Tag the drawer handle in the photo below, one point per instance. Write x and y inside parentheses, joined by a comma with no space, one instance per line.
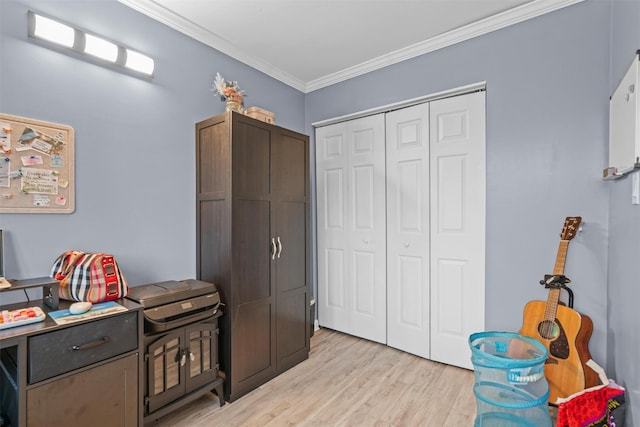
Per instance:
(89,345)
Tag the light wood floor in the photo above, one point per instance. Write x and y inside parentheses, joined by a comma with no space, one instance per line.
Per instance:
(346,381)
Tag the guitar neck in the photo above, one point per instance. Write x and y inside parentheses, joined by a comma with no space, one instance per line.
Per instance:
(561,258)
(554,293)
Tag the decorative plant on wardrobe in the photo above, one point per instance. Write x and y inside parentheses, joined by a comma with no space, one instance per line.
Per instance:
(229,92)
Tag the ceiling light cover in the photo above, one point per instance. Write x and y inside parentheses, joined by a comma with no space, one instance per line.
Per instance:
(89,46)
(139,62)
(100,48)
(53,31)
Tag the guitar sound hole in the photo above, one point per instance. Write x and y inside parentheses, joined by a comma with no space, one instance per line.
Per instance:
(548,330)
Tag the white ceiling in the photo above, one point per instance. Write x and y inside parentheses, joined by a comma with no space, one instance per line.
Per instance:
(310,44)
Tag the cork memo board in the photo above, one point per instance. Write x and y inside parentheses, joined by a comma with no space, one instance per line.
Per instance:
(36,166)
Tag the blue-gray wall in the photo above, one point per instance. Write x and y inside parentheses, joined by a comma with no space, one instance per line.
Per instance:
(548,84)
(547,114)
(134,139)
(623,338)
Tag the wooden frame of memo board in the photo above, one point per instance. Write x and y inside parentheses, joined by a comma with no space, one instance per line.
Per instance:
(36,166)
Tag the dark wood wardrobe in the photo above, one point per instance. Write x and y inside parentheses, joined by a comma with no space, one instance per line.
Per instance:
(253,233)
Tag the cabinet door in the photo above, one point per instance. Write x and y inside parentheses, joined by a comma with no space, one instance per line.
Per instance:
(106,395)
(202,354)
(166,380)
(252,295)
(290,178)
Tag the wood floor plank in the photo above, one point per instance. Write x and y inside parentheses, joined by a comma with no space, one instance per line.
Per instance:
(346,381)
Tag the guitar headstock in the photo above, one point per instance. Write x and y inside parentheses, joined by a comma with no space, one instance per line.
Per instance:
(570,228)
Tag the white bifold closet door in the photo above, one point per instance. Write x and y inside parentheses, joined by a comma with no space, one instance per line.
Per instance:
(457,232)
(351,227)
(408,310)
(401,227)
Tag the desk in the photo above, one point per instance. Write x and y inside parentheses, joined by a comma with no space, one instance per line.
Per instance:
(74,388)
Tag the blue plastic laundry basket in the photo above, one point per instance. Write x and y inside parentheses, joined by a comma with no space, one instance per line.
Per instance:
(510,387)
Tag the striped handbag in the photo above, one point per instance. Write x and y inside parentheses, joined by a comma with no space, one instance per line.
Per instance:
(92,277)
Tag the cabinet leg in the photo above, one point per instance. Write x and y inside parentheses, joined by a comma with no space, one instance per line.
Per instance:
(219,391)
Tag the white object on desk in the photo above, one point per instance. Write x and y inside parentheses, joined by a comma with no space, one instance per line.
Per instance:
(80,307)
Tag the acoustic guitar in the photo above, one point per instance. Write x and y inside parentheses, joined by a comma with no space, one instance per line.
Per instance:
(563,331)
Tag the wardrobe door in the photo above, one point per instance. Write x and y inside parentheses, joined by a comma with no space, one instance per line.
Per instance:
(351,227)
(457,225)
(251,311)
(408,310)
(290,196)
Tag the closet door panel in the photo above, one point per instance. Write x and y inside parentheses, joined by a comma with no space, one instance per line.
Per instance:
(334,295)
(333,242)
(363,199)
(333,202)
(407,155)
(351,227)
(457,225)
(363,280)
(367,228)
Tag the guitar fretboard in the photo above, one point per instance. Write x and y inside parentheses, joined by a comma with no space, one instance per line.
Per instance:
(554,294)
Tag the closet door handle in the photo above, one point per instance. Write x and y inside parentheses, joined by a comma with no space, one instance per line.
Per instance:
(273,248)
(279,247)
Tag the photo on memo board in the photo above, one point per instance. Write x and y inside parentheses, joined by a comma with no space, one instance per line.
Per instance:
(36,166)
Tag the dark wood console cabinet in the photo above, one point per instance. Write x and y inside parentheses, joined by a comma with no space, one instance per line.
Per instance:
(181,365)
(45,382)
(252,188)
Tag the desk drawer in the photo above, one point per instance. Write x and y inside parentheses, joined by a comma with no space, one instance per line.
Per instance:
(74,347)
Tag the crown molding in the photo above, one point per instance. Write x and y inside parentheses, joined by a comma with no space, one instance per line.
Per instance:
(476,29)
(510,17)
(161,14)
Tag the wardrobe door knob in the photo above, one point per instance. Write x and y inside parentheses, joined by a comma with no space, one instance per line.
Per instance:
(279,247)
(366,241)
(273,248)
(406,244)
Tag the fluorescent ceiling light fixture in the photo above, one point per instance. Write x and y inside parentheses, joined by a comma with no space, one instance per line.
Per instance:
(91,47)
(53,31)
(139,62)
(100,48)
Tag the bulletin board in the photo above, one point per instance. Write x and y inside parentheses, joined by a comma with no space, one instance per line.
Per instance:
(36,166)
